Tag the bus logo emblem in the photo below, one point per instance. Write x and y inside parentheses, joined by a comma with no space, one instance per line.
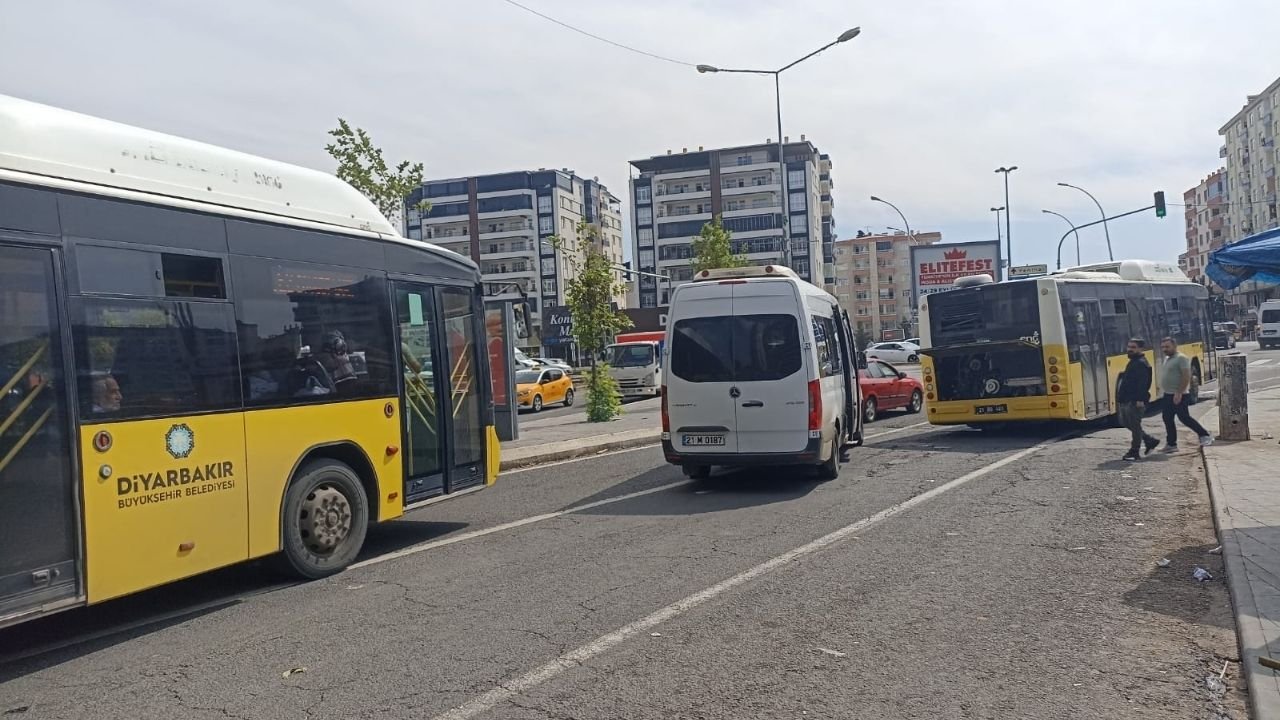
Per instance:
(180,441)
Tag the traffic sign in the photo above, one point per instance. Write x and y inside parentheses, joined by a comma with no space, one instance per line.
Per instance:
(1026,271)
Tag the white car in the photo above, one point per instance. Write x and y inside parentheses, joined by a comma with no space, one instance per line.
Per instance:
(760,371)
(894,352)
(553,362)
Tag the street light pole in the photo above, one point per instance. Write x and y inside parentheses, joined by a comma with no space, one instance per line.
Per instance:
(782,159)
(895,208)
(1073,229)
(1105,229)
(1008,219)
(999,235)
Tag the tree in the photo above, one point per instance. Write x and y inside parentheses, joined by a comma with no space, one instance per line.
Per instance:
(713,248)
(361,165)
(862,338)
(589,297)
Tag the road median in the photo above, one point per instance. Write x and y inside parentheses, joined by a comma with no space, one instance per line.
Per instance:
(559,450)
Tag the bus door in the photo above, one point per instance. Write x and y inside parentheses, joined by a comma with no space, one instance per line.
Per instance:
(39,547)
(1092,356)
(444,430)
(849,361)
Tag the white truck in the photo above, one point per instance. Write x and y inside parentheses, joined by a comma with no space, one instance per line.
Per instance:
(635,362)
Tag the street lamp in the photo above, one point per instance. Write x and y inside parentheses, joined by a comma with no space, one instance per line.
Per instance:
(1105,229)
(1008,218)
(777,94)
(997,211)
(1073,229)
(895,208)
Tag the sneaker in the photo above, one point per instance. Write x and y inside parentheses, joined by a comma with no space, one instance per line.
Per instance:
(1150,444)
(1206,440)
(1131,457)
(1170,449)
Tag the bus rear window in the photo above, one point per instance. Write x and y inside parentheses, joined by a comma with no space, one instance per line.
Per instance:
(989,313)
(744,348)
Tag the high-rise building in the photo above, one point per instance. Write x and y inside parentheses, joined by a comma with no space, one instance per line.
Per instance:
(1208,223)
(871,277)
(675,194)
(1252,157)
(504,223)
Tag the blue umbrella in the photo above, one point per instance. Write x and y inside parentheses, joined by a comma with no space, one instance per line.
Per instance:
(1256,258)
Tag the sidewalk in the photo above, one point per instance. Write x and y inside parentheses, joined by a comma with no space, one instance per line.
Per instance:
(1245,488)
(544,440)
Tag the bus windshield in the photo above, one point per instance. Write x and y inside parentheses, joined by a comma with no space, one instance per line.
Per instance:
(989,313)
(622,356)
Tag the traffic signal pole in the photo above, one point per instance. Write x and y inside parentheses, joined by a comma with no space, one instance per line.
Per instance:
(1096,222)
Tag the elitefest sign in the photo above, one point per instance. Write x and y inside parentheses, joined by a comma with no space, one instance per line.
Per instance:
(935,268)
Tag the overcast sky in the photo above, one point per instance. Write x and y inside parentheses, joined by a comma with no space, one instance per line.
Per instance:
(1122,97)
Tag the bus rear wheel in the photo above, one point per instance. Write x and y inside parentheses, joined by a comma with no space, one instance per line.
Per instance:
(325,517)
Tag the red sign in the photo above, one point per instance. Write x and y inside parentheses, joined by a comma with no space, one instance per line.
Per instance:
(954,265)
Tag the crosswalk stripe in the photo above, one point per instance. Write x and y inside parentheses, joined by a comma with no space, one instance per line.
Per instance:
(1263,361)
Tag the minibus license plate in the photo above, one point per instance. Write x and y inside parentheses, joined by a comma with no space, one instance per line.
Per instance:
(992,409)
(702,440)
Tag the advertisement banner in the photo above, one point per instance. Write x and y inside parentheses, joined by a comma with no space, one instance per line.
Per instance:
(557,326)
(934,268)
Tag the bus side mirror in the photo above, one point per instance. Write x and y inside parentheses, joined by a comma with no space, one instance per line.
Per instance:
(862,360)
(520,313)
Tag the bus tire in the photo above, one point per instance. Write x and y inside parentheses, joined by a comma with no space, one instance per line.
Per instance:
(830,468)
(324,519)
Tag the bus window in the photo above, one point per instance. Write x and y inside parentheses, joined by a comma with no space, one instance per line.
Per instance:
(310,332)
(463,377)
(141,358)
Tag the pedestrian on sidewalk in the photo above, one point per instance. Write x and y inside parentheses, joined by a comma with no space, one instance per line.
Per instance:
(1133,395)
(1175,379)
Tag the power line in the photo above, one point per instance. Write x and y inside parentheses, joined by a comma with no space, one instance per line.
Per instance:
(593,36)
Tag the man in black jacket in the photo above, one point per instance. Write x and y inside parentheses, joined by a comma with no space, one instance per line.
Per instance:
(1132,397)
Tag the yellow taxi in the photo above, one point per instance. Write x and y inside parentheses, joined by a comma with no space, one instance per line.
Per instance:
(542,386)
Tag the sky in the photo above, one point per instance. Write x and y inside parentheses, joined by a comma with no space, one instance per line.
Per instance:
(1121,97)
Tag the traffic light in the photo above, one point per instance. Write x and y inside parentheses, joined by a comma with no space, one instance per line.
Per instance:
(1160,209)
(626,274)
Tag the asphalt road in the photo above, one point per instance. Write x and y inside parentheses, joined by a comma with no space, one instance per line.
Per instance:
(946,573)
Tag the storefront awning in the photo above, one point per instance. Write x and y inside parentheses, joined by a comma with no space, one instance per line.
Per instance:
(1256,258)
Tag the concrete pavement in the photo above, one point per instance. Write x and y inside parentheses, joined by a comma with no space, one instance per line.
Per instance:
(946,573)
(563,437)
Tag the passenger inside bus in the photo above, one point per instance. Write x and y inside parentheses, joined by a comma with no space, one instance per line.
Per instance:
(106,394)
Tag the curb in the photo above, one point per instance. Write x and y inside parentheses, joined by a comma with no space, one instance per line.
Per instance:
(571,449)
(1250,639)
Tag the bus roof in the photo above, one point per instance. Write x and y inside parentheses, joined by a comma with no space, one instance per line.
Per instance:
(51,142)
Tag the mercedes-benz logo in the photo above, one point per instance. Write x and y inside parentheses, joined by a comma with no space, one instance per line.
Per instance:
(734,392)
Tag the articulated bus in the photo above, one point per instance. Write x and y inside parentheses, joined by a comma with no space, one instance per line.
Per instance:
(208,357)
(1052,348)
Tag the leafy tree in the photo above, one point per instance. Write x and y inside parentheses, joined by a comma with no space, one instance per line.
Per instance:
(589,297)
(361,165)
(713,248)
(862,338)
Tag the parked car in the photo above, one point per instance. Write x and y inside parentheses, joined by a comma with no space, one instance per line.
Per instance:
(913,341)
(1223,337)
(536,388)
(522,361)
(552,362)
(894,352)
(884,387)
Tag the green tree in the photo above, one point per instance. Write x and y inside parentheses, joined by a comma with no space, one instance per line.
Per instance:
(361,165)
(862,338)
(713,249)
(589,297)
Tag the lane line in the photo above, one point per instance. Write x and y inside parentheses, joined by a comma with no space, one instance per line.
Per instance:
(463,537)
(514,686)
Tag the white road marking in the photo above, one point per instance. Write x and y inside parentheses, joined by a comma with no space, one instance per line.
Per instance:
(514,686)
(463,537)
(1263,361)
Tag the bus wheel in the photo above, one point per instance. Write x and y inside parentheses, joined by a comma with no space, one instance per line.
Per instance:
(326,515)
(830,468)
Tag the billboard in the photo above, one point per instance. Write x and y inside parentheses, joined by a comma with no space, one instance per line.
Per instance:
(935,267)
(557,326)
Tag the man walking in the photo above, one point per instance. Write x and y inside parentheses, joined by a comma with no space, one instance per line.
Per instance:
(1175,379)
(1133,395)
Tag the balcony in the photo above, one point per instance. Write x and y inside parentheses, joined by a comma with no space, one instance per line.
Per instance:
(499,272)
(683,192)
(748,187)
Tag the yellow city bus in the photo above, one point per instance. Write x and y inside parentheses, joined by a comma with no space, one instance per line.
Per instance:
(208,357)
(1052,348)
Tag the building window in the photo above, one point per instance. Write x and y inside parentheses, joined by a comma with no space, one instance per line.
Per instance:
(801,266)
(546,225)
(797,200)
(744,159)
(544,204)
(548,266)
(859,249)
(642,193)
(795,179)
(549,286)
(645,236)
(906,293)
(644,216)
(800,224)
(646,259)
(884,246)
(888,308)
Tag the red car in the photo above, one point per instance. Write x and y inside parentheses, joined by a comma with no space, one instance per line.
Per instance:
(884,387)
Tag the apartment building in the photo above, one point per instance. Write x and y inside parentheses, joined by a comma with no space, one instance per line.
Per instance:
(503,222)
(675,194)
(871,277)
(1252,155)
(1207,215)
